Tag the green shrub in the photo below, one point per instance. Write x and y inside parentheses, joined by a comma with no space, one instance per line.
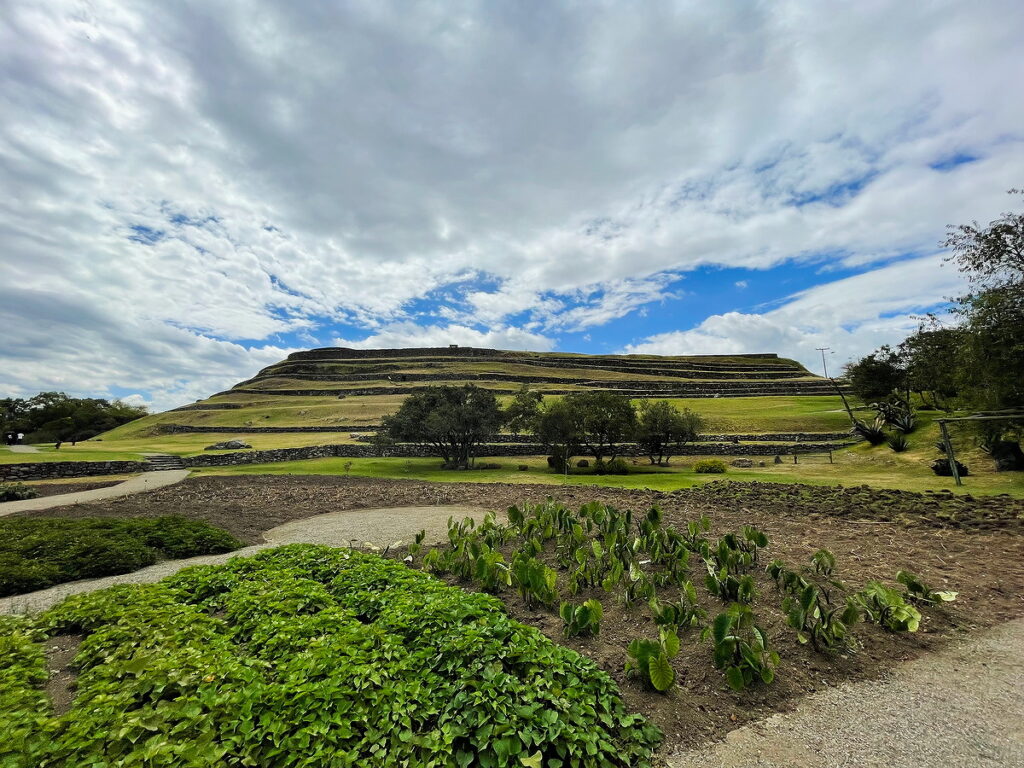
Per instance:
(37,552)
(709,467)
(16,492)
(310,656)
(486,465)
(616,466)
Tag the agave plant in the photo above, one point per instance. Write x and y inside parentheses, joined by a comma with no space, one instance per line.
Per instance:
(898,442)
(874,432)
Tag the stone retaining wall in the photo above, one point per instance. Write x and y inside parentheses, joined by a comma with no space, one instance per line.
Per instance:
(50,470)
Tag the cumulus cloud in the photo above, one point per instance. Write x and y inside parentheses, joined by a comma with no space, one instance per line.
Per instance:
(409,334)
(852,316)
(208,177)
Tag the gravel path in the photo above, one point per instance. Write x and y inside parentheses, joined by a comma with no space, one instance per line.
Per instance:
(960,707)
(147,481)
(22,449)
(379,527)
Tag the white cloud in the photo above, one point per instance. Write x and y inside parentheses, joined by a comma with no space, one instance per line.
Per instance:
(852,316)
(409,334)
(213,175)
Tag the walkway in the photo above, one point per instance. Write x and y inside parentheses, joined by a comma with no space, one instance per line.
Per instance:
(22,449)
(959,707)
(147,481)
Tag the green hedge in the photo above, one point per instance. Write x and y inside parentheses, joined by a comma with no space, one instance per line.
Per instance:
(38,552)
(310,656)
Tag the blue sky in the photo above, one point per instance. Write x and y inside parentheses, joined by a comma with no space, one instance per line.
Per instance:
(196,189)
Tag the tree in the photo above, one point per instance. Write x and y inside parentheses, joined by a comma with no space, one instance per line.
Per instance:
(522,413)
(55,416)
(451,420)
(928,356)
(558,429)
(991,256)
(877,375)
(601,420)
(662,429)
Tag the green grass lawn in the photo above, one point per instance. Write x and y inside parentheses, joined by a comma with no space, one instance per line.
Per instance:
(805,413)
(80,452)
(852,467)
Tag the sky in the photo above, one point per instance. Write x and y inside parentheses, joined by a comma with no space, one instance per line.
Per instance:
(195,189)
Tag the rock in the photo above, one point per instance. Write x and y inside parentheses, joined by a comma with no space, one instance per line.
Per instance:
(778,459)
(227,445)
(743,463)
(1008,456)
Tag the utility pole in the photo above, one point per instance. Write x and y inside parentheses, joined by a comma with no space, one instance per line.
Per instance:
(823,350)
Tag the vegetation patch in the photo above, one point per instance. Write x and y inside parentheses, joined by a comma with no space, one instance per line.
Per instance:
(309,656)
(38,552)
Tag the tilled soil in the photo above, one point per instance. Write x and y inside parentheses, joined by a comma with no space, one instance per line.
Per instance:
(983,560)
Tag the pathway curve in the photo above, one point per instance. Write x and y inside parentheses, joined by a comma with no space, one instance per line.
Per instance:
(147,481)
(959,707)
(379,527)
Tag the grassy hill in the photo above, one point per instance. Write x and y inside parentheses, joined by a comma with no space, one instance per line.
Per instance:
(346,390)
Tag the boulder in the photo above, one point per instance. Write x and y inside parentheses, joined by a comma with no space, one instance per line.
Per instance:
(743,463)
(227,445)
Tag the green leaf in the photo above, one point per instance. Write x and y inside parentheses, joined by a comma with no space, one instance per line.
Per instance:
(734,676)
(662,674)
(533,761)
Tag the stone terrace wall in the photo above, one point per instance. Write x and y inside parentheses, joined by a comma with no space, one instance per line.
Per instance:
(49,470)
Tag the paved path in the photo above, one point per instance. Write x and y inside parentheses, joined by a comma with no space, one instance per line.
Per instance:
(147,481)
(23,449)
(379,527)
(959,707)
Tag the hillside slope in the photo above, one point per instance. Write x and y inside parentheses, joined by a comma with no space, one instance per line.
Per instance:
(342,390)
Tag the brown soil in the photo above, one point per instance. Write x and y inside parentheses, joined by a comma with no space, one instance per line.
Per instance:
(60,653)
(55,489)
(976,550)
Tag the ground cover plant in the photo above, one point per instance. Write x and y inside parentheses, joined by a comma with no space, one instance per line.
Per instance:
(308,656)
(38,552)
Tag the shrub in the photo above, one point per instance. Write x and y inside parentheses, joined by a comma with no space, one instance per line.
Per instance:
(582,463)
(38,552)
(710,467)
(16,492)
(523,467)
(898,442)
(941,468)
(614,467)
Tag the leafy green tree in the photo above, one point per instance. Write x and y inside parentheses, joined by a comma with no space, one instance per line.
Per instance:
(55,416)
(991,256)
(557,428)
(601,420)
(927,356)
(522,413)
(662,429)
(451,420)
(876,376)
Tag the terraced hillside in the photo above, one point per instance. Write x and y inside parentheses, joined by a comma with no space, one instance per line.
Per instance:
(345,391)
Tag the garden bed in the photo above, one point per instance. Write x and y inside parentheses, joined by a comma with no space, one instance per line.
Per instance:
(303,656)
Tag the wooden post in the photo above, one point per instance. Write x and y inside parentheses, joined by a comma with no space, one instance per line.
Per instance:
(830,457)
(949,452)
(794,458)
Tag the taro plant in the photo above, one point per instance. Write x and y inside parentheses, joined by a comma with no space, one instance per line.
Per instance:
(683,613)
(887,608)
(919,592)
(490,570)
(638,585)
(651,660)
(534,580)
(729,587)
(741,648)
(582,619)
(816,622)
(416,547)
(824,562)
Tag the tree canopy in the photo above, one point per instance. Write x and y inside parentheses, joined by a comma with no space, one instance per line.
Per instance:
(451,420)
(662,429)
(51,416)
